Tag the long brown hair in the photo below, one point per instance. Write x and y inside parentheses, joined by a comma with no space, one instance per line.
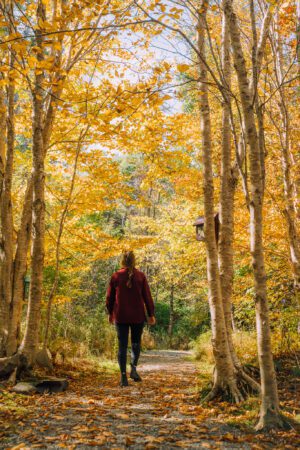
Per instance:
(128,261)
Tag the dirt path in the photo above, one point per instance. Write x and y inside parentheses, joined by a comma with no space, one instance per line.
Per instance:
(161,412)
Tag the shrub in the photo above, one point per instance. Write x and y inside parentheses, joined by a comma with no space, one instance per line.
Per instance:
(244,343)
(202,348)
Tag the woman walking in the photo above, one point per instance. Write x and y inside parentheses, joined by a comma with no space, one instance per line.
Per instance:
(127,296)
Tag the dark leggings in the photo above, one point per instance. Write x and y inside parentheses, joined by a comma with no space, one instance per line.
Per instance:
(136,336)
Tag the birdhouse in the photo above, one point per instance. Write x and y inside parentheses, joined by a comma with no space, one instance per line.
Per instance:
(199,224)
(26,285)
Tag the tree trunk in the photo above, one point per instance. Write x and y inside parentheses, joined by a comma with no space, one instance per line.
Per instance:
(171,318)
(3,312)
(16,269)
(30,341)
(224,376)
(257,56)
(19,267)
(290,190)
(229,179)
(2,137)
(269,412)
(24,234)
(227,189)
(7,227)
(298,33)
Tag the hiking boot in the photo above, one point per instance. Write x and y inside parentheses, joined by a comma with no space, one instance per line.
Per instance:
(133,374)
(124,381)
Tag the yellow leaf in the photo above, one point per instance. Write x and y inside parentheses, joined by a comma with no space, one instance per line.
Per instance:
(122,416)
(31,61)
(183,67)
(228,437)
(20,447)
(57,45)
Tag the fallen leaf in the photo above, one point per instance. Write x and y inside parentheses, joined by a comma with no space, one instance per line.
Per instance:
(228,437)
(129,441)
(20,447)
(122,416)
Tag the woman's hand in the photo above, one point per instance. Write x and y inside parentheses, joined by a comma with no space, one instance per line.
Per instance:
(151,320)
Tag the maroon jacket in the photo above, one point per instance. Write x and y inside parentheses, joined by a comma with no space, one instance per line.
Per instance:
(126,305)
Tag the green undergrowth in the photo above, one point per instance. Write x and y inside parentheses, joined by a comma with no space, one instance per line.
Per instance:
(246,348)
(10,405)
(12,410)
(79,367)
(244,344)
(244,415)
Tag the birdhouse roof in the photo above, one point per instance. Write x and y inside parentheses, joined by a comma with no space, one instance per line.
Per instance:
(200,220)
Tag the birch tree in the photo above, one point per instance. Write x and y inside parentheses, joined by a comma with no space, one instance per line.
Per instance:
(30,342)
(288,164)
(224,376)
(269,414)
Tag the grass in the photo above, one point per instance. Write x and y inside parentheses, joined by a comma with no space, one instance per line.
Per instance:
(9,404)
(12,411)
(91,364)
(245,415)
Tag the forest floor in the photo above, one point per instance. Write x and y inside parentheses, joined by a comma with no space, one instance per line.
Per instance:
(163,411)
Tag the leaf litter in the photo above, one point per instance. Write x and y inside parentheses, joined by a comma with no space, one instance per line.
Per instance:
(163,411)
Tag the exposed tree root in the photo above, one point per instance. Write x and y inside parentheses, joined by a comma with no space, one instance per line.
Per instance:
(15,363)
(247,384)
(13,377)
(18,365)
(44,359)
(273,420)
(228,392)
(250,370)
(235,392)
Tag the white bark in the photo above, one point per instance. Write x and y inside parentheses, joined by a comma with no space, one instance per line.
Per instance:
(290,188)
(229,179)
(19,271)
(224,377)
(3,306)
(29,346)
(228,183)
(269,413)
